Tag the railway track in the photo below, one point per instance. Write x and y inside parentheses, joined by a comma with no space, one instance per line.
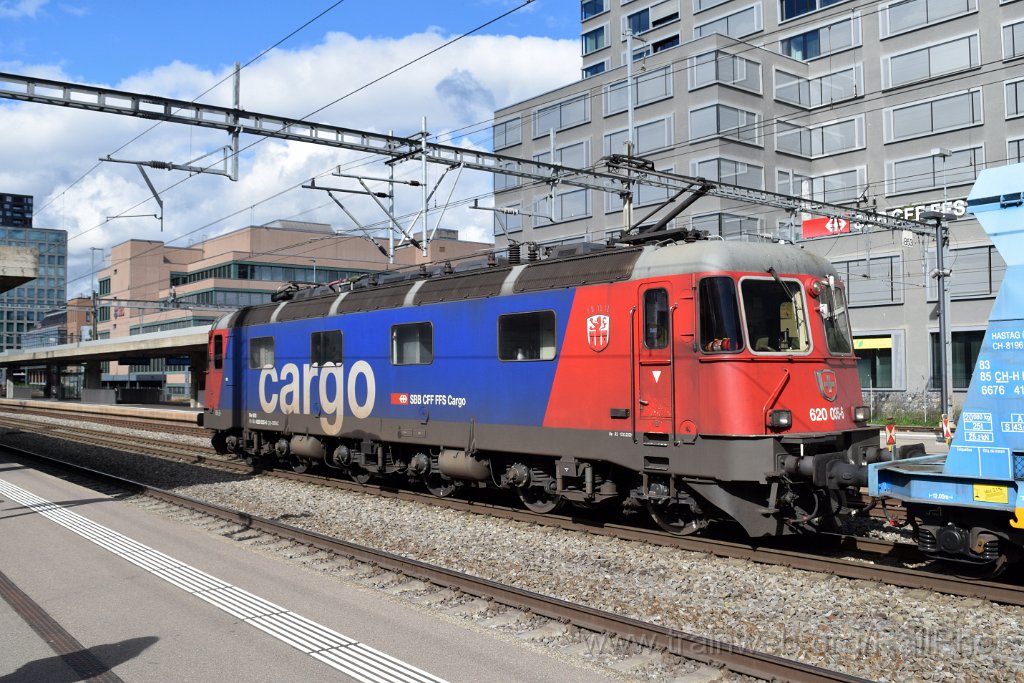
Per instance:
(889,561)
(716,653)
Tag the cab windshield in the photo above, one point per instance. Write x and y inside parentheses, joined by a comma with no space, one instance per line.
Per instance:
(837,322)
(775,315)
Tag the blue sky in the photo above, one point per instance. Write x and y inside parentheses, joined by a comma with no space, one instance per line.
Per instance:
(184,48)
(103,41)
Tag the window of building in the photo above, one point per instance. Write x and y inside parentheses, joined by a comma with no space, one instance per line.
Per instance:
(907,15)
(326,347)
(412,344)
(591,8)
(789,9)
(720,328)
(721,67)
(834,137)
(931,62)
(927,172)
(1013,40)
(594,69)
(643,195)
(976,272)
(576,155)
(568,206)
(526,336)
(503,181)
(595,40)
(508,133)
(724,121)
(727,225)
(792,183)
(815,92)
(729,171)
(736,25)
(637,22)
(1014,151)
(261,352)
(560,116)
(701,5)
(842,186)
(875,361)
(875,281)
(648,87)
(649,136)
(104,286)
(965,348)
(1014,98)
(823,41)
(508,222)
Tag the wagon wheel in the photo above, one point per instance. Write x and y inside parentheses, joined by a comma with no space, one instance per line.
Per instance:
(442,487)
(978,572)
(359,475)
(676,519)
(538,499)
(301,465)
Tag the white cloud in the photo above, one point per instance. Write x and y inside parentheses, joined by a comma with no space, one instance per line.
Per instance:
(456,89)
(18,9)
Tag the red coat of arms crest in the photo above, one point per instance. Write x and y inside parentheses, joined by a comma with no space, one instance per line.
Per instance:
(598,331)
(827,384)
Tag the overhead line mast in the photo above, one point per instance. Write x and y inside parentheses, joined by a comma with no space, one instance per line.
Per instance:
(620,175)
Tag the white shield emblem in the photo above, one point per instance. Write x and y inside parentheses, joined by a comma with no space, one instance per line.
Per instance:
(598,329)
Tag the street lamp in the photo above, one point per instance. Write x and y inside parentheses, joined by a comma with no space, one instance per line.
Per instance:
(940,274)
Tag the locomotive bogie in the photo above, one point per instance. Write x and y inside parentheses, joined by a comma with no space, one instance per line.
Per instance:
(702,381)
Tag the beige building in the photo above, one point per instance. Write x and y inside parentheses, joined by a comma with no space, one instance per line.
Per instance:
(147,286)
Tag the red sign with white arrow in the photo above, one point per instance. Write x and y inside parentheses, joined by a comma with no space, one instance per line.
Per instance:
(825,227)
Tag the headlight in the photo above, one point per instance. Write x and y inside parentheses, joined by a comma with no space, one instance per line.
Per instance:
(780,419)
(861,413)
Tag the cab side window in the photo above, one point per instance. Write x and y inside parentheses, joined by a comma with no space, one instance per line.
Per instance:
(720,328)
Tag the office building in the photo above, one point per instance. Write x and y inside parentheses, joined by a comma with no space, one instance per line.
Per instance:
(891,106)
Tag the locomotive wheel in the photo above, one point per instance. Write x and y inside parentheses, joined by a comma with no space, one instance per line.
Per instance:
(253,461)
(438,485)
(300,466)
(539,500)
(359,475)
(675,519)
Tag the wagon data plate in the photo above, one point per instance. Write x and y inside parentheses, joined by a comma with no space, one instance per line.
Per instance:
(986,493)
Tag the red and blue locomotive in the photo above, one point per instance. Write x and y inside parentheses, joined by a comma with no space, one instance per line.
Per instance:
(701,379)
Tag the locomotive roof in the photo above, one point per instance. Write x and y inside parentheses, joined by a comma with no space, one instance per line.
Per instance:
(602,266)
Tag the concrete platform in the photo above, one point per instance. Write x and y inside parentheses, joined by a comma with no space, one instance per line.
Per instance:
(183,413)
(149,599)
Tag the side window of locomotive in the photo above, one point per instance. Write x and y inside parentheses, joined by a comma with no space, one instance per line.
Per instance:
(218,352)
(261,352)
(656,318)
(776,318)
(325,347)
(720,327)
(412,344)
(837,323)
(526,336)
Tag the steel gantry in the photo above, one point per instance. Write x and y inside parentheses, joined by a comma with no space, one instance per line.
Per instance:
(619,176)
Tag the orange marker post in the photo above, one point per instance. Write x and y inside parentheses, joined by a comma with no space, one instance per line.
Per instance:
(890,433)
(947,431)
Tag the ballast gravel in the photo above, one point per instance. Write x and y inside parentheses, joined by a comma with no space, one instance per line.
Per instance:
(866,629)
